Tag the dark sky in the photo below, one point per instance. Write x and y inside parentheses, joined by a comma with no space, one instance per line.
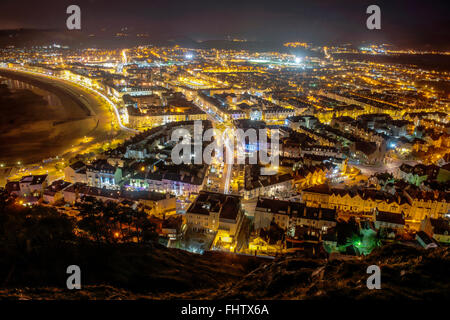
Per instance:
(402,21)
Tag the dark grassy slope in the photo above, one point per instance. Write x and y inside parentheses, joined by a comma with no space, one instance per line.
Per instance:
(138,268)
(406,273)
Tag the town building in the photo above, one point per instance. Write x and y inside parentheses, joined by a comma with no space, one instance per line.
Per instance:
(215,212)
(287,214)
(76,172)
(438,229)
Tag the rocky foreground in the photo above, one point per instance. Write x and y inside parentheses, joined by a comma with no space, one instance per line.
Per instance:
(406,273)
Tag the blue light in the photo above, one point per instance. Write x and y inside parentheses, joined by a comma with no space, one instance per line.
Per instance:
(251,147)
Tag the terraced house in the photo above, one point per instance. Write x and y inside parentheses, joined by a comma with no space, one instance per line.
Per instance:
(356,201)
(288,214)
(414,204)
(101,174)
(434,204)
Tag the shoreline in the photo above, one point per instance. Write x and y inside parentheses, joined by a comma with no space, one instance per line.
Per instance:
(63,95)
(82,114)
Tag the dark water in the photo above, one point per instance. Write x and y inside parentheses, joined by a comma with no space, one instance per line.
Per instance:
(51,98)
(39,120)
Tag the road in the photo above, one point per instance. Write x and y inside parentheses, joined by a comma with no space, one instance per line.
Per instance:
(227,137)
(223,183)
(390,167)
(77,88)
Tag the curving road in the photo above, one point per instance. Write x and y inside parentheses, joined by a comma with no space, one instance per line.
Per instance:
(70,86)
(85,113)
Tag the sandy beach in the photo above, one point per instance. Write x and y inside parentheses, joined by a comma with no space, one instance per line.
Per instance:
(31,129)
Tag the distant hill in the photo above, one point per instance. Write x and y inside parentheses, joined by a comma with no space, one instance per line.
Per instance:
(34,37)
(80,39)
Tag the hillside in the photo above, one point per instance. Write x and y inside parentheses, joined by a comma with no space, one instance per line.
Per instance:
(406,273)
(137,268)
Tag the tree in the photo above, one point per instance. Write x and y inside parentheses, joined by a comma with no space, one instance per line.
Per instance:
(347,232)
(36,226)
(111,222)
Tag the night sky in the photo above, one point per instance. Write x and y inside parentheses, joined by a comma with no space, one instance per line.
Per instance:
(403,22)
